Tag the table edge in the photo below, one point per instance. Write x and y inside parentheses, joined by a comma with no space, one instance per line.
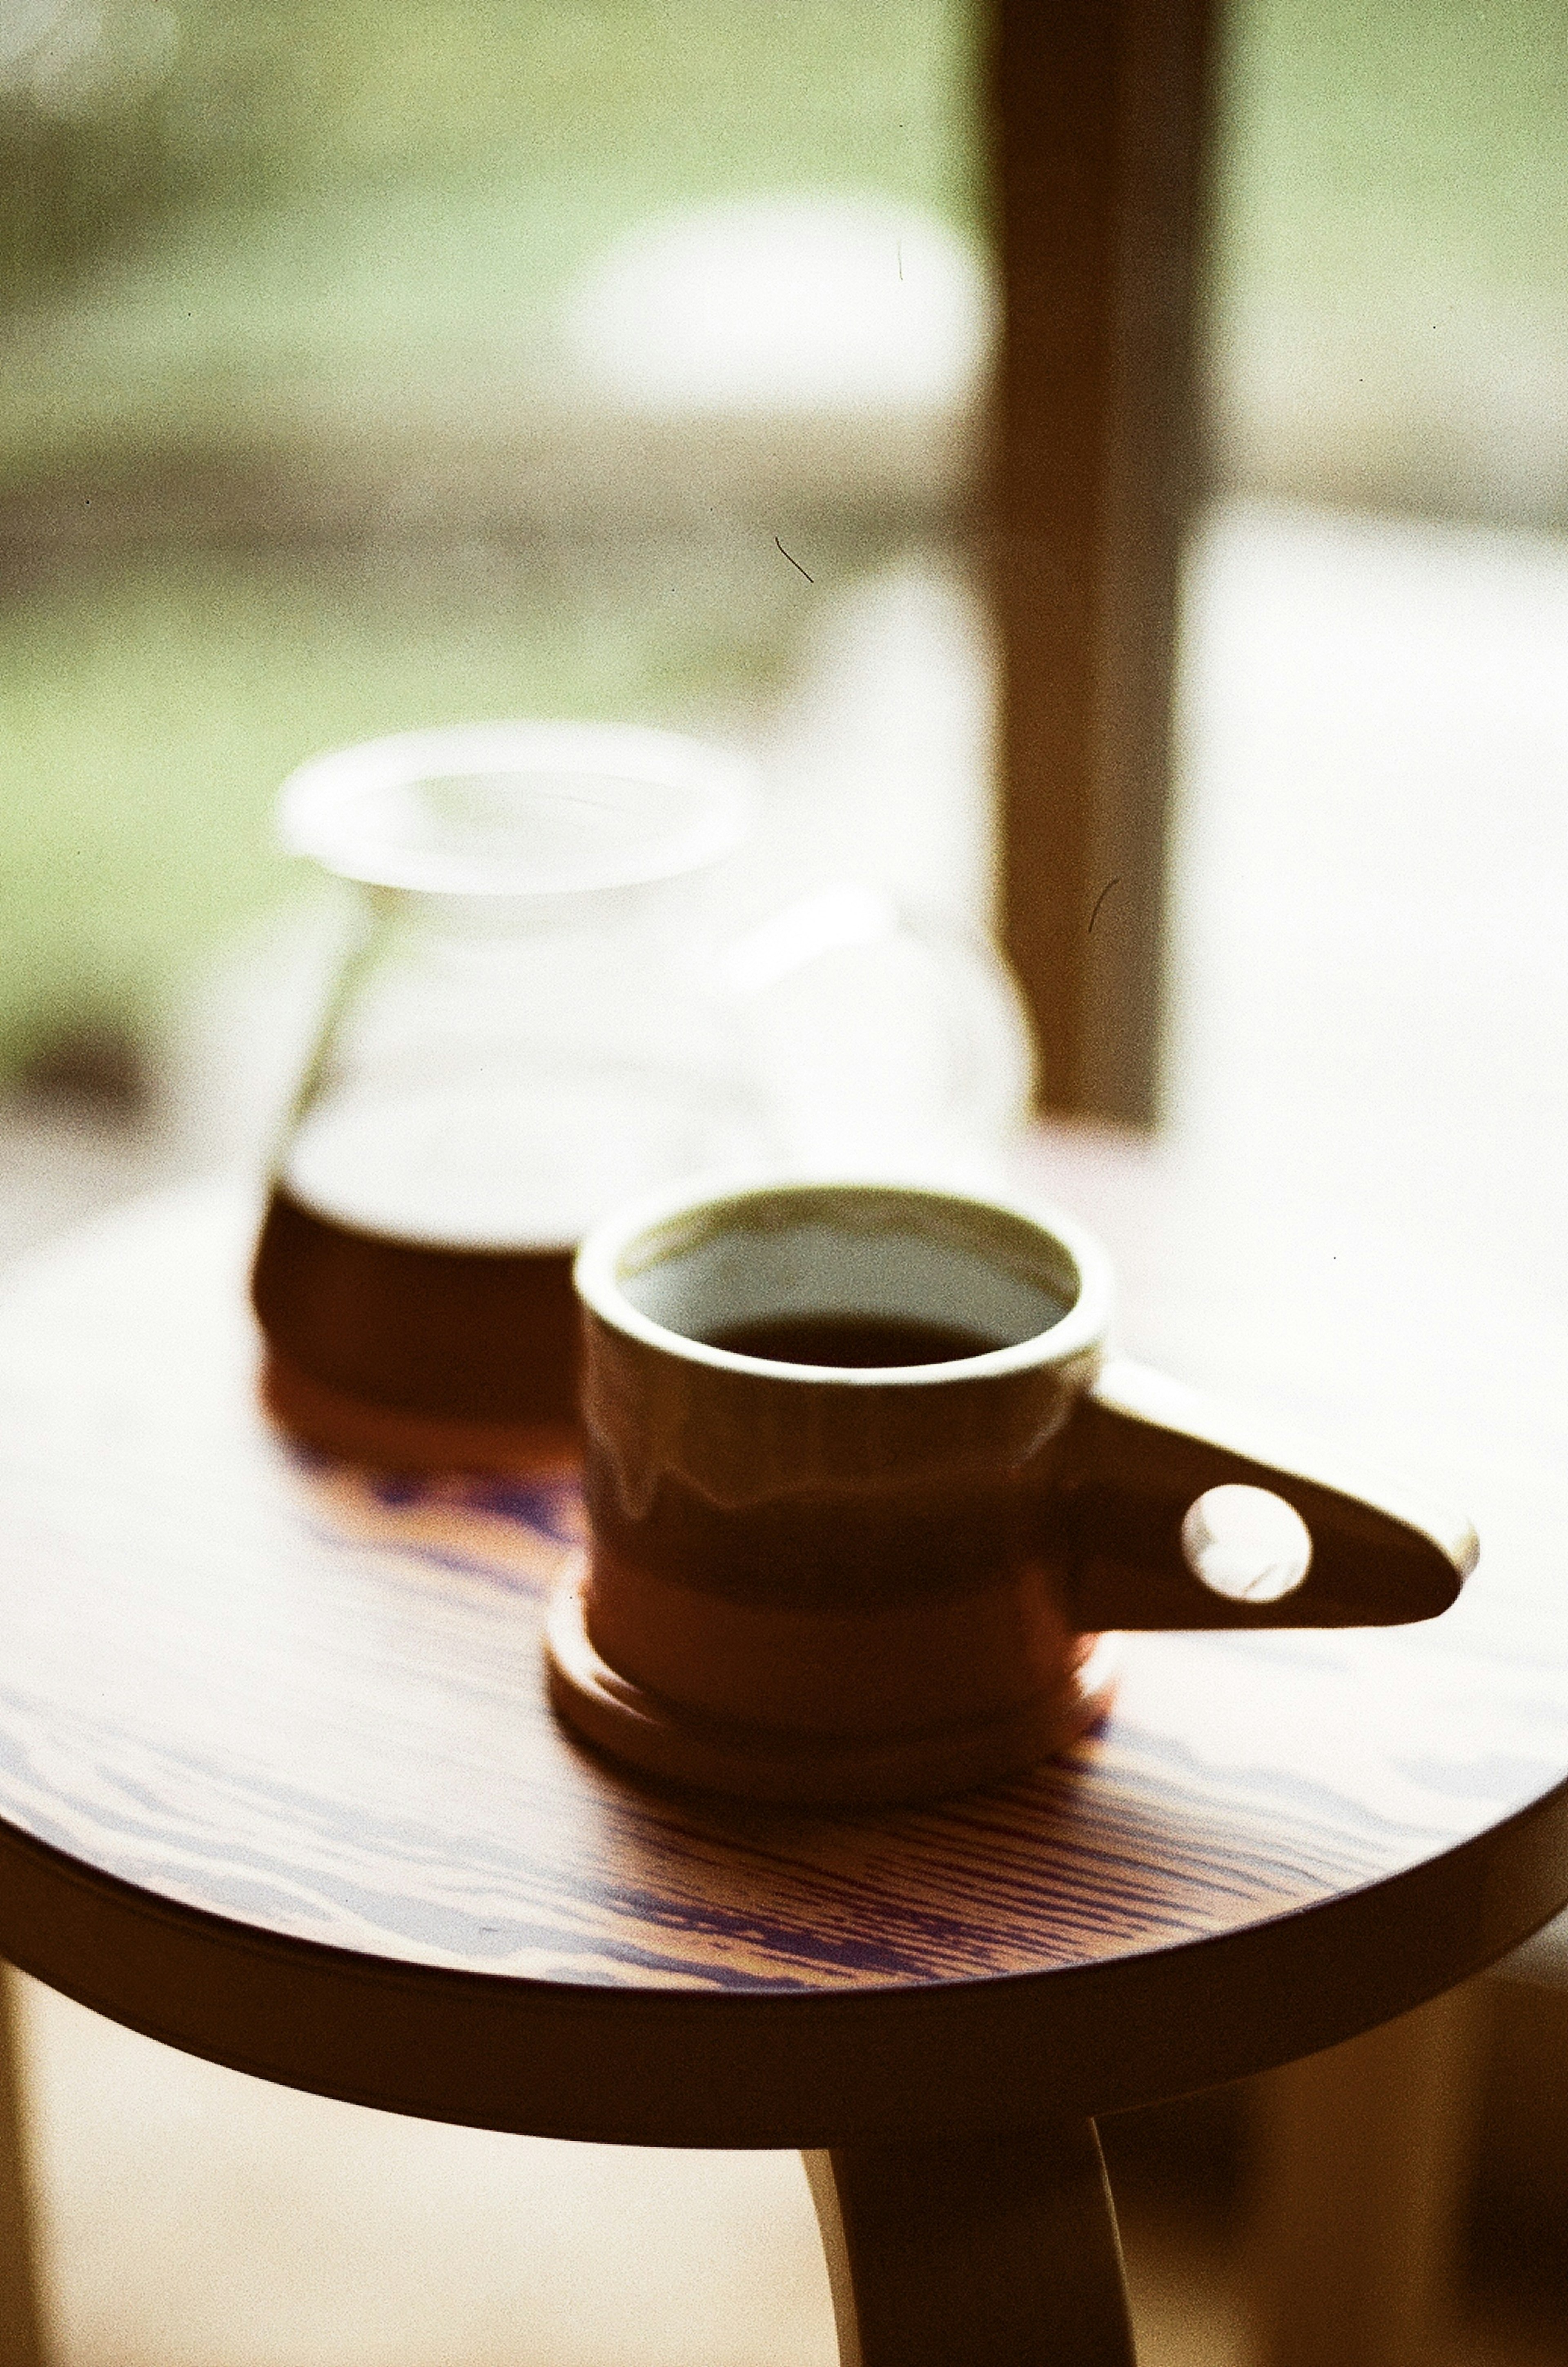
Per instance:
(771,2069)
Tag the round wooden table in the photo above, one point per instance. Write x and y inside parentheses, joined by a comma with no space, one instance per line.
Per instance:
(278,1785)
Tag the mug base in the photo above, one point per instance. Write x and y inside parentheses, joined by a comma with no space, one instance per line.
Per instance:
(390,1439)
(653,1734)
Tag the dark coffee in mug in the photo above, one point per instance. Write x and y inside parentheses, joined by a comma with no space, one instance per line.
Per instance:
(852,1342)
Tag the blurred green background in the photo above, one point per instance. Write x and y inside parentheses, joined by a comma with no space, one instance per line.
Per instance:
(288,456)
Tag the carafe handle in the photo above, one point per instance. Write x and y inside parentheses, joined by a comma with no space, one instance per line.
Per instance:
(961,1081)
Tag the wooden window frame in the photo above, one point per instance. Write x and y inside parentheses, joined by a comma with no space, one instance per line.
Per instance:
(1101,120)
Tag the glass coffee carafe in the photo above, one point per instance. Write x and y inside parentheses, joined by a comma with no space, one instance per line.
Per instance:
(563,990)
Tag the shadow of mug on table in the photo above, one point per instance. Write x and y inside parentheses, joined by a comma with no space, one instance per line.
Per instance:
(864,1493)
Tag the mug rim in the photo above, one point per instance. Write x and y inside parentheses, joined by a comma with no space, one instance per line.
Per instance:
(1080,1329)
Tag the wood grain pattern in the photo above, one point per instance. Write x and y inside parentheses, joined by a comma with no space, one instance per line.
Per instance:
(278,1785)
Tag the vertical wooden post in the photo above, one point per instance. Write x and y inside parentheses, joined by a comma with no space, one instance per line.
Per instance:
(21,2343)
(1363,2152)
(1101,122)
(1000,2249)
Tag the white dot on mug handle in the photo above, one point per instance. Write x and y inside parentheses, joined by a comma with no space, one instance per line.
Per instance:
(1246,1543)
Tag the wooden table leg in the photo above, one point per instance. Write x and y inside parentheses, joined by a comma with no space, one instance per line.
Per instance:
(1003,2250)
(21,2343)
(1362,2156)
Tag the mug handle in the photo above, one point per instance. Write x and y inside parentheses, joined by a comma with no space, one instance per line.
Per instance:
(1127,1532)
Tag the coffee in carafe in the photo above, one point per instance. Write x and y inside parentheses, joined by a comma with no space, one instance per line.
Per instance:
(413,1273)
(414,1337)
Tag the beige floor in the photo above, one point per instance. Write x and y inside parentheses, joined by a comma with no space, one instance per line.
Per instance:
(1369,1043)
(193,2215)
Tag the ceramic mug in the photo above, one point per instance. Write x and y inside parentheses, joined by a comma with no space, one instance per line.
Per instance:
(864,1493)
